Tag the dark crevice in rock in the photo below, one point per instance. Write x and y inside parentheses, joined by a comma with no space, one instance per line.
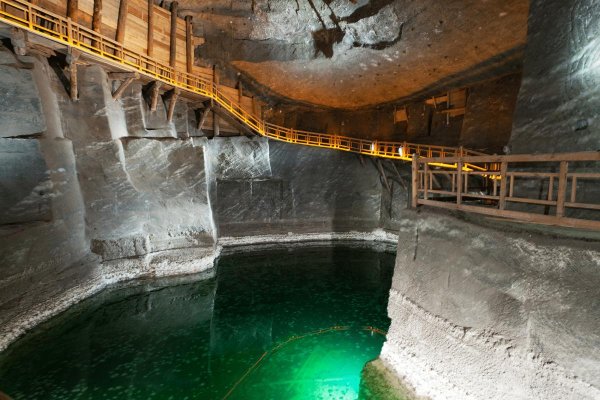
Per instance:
(368,10)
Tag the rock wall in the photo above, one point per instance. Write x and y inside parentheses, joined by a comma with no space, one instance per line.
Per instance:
(96,191)
(559,96)
(489,113)
(87,197)
(267,187)
(482,313)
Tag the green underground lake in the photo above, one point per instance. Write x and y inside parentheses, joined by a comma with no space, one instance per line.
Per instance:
(284,323)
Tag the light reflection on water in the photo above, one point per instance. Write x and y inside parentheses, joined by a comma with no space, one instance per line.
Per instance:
(194,338)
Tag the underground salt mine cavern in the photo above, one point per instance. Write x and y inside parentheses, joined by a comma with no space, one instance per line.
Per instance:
(307,199)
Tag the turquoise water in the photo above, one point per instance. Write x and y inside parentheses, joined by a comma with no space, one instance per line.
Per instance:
(201,337)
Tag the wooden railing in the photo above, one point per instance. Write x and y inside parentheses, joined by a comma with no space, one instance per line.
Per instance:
(24,15)
(507,189)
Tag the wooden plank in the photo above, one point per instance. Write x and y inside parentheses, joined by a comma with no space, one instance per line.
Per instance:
(562,189)
(583,205)
(531,201)
(122,21)
(524,158)
(517,215)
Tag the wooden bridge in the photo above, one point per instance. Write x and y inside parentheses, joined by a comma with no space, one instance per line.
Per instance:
(496,182)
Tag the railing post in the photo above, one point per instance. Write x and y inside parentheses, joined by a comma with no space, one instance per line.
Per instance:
(426,181)
(30,16)
(69,33)
(415,181)
(502,200)
(562,189)
(459,182)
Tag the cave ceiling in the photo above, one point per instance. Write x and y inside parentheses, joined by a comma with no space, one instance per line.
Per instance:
(358,53)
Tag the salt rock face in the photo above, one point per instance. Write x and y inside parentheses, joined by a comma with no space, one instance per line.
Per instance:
(20,103)
(303,190)
(482,313)
(147,195)
(24,181)
(560,95)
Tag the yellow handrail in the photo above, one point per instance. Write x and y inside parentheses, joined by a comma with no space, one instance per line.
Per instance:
(22,14)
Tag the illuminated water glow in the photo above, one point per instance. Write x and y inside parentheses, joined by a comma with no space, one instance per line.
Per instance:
(195,340)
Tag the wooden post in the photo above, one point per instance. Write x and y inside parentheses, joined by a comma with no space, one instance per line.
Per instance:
(383,176)
(189,45)
(562,189)
(172,102)
(173,36)
(204,114)
(459,182)
(122,21)
(216,80)
(97,16)
(72,9)
(503,169)
(426,181)
(150,50)
(126,77)
(216,126)
(72,59)
(415,181)
(154,95)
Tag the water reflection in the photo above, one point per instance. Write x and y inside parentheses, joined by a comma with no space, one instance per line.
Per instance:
(194,338)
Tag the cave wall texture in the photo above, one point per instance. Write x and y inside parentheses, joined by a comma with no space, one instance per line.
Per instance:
(96,191)
(499,313)
(482,313)
(560,95)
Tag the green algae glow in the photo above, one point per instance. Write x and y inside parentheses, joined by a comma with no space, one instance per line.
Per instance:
(197,338)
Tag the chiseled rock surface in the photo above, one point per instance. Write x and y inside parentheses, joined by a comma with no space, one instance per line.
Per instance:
(560,95)
(20,104)
(140,120)
(281,188)
(485,314)
(85,206)
(25,185)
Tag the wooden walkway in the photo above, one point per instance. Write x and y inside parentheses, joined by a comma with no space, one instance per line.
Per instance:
(431,164)
(63,30)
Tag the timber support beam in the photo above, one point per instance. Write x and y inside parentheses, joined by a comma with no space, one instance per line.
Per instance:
(73,60)
(154,94)
(173,35)
(172,96)
(122,21)
(202,114)
(126,79)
